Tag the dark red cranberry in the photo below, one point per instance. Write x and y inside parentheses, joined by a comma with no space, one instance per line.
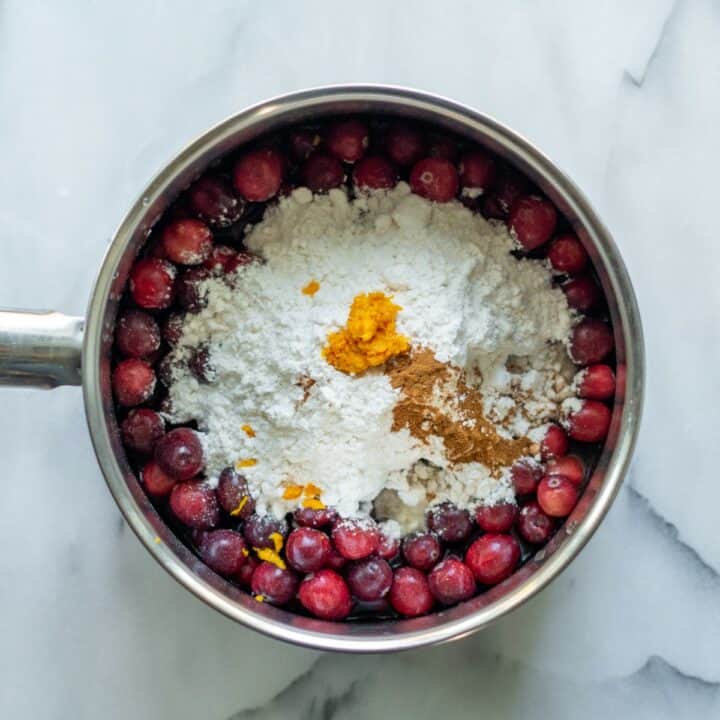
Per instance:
(591,342)
(307,550)
(322,172)
(421,550)
(151,283)
(141,429)
(533,524)
(449,522)
(200,366)
(347,140)
(245,573)
(241,259)
(258,174)
(582,293)
(156,482)
(336,561)
(496,518)
(508,187)
(388,548)
(137,334)
(273,584)
(532,220)
(410,593)
(173,327)
(355,540)
(567,255)
(374,173)
(369,579)
(213,198)
(187,242)
(325,595)
(234,495)
(596,382)
(189,296)
(434,179)
(477,170)
(259,528)
(194,503)
(179,453)
(303,142)
(441,146)
(557,496)
(569,466)
(307,517)
(404,144)
(493,557)
(133,382)
(451,582)
(221,259)
(590,423)
(525,475)
(555,443)
(223,551)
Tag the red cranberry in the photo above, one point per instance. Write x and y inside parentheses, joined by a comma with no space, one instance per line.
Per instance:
(322,172)
(200,366)
(525,475)
(569,466)
(532,220)
(347,140)
(137,334)
(533,524)
(195,505)
(307,517)
(223,551)
(449,523)
(187,242)
(258,174)
(157,483)
(179,453)
(410,593)
(404,144)
(582,293)
(336,561)
(555,443)
(354,540)
(374,173)
(434,179)
(590,423)
(173,327)
(307,550)
(212,197)
(259,528)
(273,584)
(421,550)
(241,259)
(133,382)
(451,581)
(567,255)
(442,147)
(234,495)
(596,382)
(477,170)
(557,496)
(325,595)
(151,283)
(591,342)
(493,557)
(303,142)
(388,548)
(369,579)
(496,518)
(141,429)
(221,260)
(189,296)
(508,187)
(245,573)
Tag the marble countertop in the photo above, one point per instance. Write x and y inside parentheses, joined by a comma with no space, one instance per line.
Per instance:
(95,97)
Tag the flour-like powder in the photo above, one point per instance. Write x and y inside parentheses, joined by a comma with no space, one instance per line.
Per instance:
(463,295)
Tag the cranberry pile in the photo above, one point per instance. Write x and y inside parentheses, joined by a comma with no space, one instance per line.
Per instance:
(313,561)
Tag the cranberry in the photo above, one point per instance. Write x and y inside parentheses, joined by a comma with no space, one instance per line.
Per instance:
(449,523)
(141,429)
(596,382)
(157,483)
(477,170)
(258,174)
(222,259)
(525,475)
(404,144)
(567,255)
(180,454)
(326,595)
(307,517)
(410,593)
(557,496)
(194,503)
(533,524)
(245,573)
(137,334)
(151,283)
(259,528)
(374,173)
(307,550)
(496,518)
(240,260)
(493,557)
(355,540)
(187,242)
(369,579)
(388,548)
(223,551)
(442,147)
(532,220)
(189,296)
(200,367)
(434,179)
(322,172)
(234,495)
(273,584)
(421,550)
(569,466)
(347,140)
(303,142)
(591,342)
(451,581)
(590,423)
(213,198)
(133,382)
(173,327)
(508,187)
(555,443)
(582,293)
(336,561)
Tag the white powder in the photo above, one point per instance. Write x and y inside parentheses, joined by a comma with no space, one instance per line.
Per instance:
(462,295)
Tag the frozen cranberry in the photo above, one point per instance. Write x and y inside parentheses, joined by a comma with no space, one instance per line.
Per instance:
(157,483)
(141,429)
(151,283)
(369,579)
(493,557)
(557,496)
(532,220)
(567,255)
(441,146)
(374,173)
(336,561)
(213,198)
(180,454)
(223,551)
(496,518)
(187,242)
(307,550)
(533,524)
(245,573)
(421,550)
(591,341)
(477,170)
(347,140)
(388,548)
(404,144)
(449,522)
(221,259)
(240,260)
(451,581)
(200,366)
(259,529)
(355,540)
(194,503)
(133,382)
(589,423)
(569,466)
(434,179)
(508,187)
(189,296)
(273,584)
(303,142)
(596,382)
(525,475)
(582,293)
(173,327)
(322,172)
(258,174)
(410,593)
(325,595)
(234,495)
(307,517)
(555,442)
(137,334)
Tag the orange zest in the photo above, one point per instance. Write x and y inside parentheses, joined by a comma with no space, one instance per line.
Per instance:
(292,492)
(248,462)
(247,429)
(311,288)
(243,502)
(313,504)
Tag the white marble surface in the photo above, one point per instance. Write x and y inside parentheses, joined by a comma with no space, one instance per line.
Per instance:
(95,97)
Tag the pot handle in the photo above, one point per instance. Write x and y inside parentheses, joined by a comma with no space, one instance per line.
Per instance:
(40,349)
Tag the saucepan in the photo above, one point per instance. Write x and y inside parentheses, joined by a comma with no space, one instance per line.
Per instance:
(47,349)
